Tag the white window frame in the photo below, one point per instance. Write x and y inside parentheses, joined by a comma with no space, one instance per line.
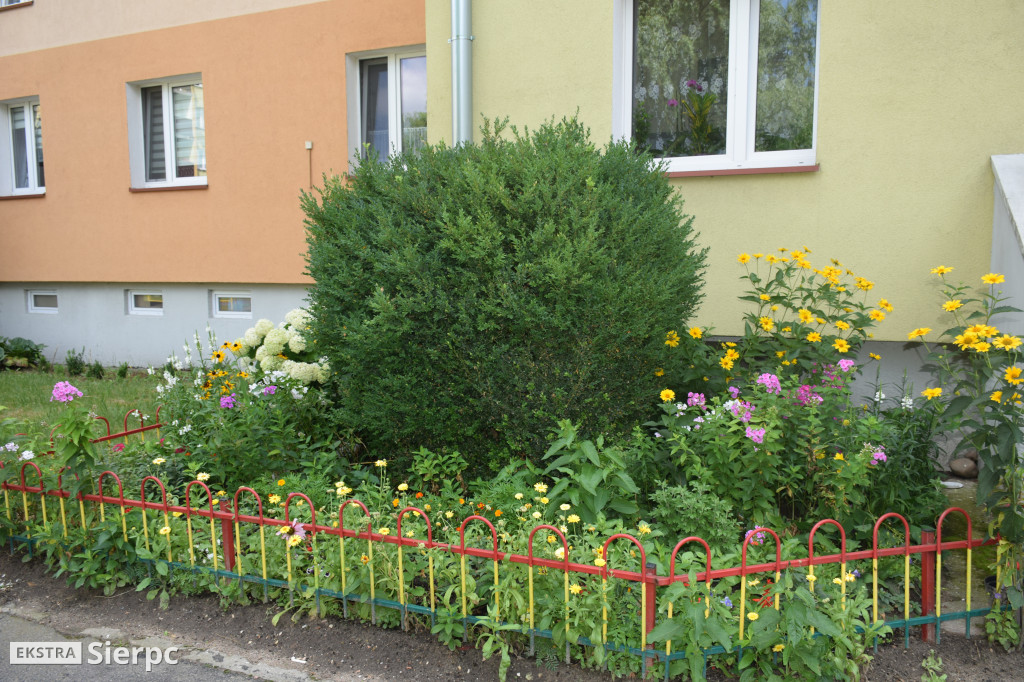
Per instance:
(136,140)
(741,104)
(7,187)
(30,296)
(215,311)
(133,310)
(353,93)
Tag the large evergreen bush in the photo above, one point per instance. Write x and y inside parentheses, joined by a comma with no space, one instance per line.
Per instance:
(467,297)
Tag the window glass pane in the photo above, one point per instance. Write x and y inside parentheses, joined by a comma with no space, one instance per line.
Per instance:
(414,103)
(374,105)
(153,132)
(44,300)
(680,76)
(19,146)
(785,75)
(37,124)
(189,131)
(234,304)
(148,301)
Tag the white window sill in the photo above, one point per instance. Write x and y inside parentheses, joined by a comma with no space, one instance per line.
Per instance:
(743,171)
(168,187)
(21,194)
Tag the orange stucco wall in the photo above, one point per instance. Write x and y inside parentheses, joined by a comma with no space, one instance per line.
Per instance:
(271,81)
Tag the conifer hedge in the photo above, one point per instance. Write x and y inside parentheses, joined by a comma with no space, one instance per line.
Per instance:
(468,297)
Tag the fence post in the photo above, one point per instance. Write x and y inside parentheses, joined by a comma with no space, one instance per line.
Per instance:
(928,584)
(649,577)
(227,533)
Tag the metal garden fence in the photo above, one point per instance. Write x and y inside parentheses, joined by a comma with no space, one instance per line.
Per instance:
(231,563)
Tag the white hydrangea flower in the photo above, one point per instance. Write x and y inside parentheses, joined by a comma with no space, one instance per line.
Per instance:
(275,340)
(269,363)
(299,318)
(262,327)
(303,372)
(296,342)
(251,337)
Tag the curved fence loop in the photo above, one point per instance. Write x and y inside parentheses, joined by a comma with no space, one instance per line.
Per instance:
(39,478)
(942,518)
(906,570)
(413,541)
(752,537)
(105,422)
(672,562)
(419,513)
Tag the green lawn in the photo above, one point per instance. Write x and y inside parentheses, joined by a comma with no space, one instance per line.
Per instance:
(26,395)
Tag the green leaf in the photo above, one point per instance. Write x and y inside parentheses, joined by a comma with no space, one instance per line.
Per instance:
(144,584)
(161,568)
(591,452)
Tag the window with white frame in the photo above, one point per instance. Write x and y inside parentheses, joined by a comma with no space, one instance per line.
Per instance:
(387,102)
(718,84)
(41,301)
(167,132)
(230,304)
(145,302)
(21,147)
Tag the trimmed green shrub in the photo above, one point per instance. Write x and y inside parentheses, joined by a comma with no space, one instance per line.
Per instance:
(467,297)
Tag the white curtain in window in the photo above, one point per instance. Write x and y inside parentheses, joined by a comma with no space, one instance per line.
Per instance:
(19,147)
(189,130)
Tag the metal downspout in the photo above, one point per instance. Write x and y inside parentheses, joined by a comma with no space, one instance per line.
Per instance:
(462,72)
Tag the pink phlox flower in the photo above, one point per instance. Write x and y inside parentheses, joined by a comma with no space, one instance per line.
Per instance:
(756,435)
(228,401)
(758,534)
(805,395)
(770,382)
(64,392)
(879,456)
(846,364)
(695,399)
(270,390)
(734,392)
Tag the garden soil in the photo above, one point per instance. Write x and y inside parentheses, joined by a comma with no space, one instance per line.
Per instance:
(335,649)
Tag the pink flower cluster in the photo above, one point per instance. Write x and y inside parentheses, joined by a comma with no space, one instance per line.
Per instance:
(806,395)
(770,382)
(879,456)
(758,536)
(756,435)
(64,392)
(695,399)
(228,401)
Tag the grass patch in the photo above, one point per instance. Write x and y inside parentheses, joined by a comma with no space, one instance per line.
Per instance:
(26,395)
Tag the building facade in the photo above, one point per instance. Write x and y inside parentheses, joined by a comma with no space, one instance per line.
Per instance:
(864,131)
(153,155)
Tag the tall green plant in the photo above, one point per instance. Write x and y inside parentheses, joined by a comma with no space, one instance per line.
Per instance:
(979,368)
(468,297)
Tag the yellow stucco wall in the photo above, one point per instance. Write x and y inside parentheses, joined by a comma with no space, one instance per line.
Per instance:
(271,81)
(914,98)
